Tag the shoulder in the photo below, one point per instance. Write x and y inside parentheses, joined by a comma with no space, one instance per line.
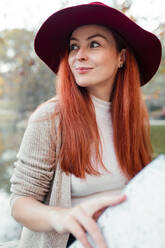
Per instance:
(46,110)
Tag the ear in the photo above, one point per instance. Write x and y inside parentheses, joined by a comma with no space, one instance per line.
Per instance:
(122,58)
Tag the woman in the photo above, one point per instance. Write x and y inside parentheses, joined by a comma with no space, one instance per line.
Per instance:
(83,146)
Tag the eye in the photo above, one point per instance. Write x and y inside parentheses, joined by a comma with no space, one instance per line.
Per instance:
(73,47)
(94,44)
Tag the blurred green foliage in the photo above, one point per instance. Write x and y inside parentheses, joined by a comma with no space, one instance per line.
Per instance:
(158,139)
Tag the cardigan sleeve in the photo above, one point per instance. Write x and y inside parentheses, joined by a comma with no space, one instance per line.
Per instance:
(35,165)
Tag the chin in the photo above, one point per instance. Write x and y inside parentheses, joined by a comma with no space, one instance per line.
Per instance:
(82,83)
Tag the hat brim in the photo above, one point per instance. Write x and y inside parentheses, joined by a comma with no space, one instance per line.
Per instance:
(52,38)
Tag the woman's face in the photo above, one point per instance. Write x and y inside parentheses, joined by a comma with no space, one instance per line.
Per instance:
(94,59)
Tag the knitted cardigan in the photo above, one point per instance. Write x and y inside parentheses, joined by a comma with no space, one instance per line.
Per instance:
(37,174)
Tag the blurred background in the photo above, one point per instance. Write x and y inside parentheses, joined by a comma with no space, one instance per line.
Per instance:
(25,81)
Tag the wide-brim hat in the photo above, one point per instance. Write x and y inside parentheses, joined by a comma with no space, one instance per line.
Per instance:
(53,36)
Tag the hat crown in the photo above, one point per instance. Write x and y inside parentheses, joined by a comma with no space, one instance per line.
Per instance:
(52,38)
(97,3)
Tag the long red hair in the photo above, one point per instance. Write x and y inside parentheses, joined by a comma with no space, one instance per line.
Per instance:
(78,127)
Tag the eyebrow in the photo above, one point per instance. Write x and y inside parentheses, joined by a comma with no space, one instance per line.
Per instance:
(91,37)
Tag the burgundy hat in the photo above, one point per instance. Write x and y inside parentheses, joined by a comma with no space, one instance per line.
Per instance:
(52,38)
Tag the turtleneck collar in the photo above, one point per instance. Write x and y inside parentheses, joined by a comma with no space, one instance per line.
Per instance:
(101,107)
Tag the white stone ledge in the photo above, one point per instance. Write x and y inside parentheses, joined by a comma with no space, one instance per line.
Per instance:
(10,244)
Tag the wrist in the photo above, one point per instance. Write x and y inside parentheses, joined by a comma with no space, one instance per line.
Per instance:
(54,219)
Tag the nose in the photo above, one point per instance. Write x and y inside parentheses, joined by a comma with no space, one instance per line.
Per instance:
(82,54)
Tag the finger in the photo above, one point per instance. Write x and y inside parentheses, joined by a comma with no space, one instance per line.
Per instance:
(97,214)
(93,205)
(91,227)
(76,229)
(119,199)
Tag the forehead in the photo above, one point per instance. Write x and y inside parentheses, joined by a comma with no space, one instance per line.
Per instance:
(91,29)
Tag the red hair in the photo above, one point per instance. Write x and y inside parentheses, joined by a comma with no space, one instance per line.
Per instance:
(78,127)
(130,120)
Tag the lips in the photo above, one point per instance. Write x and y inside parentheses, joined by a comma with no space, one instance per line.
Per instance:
(83,70)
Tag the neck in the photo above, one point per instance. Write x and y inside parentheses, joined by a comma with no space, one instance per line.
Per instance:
(100,92)
(101,95)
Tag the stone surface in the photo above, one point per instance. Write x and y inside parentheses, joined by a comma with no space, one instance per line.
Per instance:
(10,244)
(139,222)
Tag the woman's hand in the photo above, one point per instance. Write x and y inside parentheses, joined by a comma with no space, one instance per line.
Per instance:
(82,218)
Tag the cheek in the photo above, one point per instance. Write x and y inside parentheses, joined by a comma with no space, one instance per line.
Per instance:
(70,62)
(111,61)
(103,60)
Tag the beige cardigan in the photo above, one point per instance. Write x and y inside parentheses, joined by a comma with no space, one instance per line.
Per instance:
(35,175)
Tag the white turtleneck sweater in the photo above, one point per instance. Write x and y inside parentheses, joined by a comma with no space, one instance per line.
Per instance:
(108,182)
